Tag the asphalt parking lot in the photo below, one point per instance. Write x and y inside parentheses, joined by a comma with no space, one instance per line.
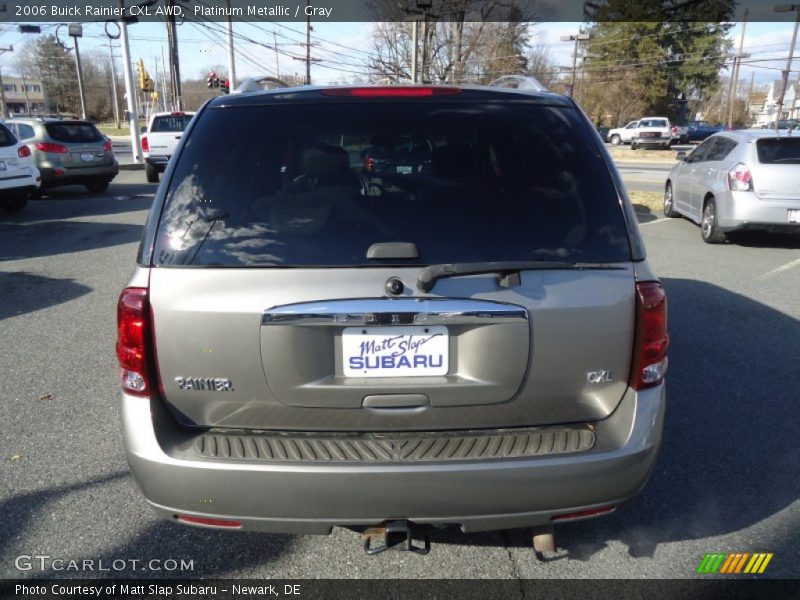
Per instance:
(726,480)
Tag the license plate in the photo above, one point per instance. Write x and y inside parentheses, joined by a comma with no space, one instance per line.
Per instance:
(405,170)
(3,166)
(794,215)
(395,351)
(87,157)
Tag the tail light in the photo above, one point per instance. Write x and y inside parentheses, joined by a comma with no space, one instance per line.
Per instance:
(145,144)
(107,146)
(50,147)
(392,91)
(133,341)
(651,338)
(740,179)
(23,152)
(369,164)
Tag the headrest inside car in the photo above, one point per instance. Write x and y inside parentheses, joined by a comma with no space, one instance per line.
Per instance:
(327,164)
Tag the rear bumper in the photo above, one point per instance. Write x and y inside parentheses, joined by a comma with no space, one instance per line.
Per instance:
(69,176)
(20,183)
(159,162)
(744,210)
(313,497)
(657,142)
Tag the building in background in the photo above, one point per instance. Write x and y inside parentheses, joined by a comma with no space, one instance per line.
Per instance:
(791,103)
(23,96)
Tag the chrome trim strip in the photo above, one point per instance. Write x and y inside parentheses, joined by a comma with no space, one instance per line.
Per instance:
(394,311)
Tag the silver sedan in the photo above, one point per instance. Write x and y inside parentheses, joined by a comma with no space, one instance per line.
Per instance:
(735,180)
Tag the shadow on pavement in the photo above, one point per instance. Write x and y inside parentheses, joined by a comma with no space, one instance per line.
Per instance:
(644,214)
(23,292)
(213,553)
(730,456)
(47,238)
(753,239)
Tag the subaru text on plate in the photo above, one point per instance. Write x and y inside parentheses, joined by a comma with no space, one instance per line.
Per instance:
(478,343)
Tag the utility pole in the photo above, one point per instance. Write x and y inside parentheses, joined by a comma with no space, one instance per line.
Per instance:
(164,79)
(130,92)
(114,82)
(579,37)
(3,113)
(75,31)
(735,74)
(414,51)
(308,44)
(174,60)
(750,92)
(277,62)
(787,70)
(231,57)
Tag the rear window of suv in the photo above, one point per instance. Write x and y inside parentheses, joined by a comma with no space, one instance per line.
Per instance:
(653,123)
(778,150)
(290,185)
(76,132)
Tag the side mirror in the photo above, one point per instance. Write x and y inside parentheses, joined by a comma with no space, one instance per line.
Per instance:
(680,155)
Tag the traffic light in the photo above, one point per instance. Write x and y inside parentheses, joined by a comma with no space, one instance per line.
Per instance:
(213,80)
(225,88)
(142,75)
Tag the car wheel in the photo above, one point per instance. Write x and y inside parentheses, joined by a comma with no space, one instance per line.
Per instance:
(669,202)
(97,187)
(151,173)
(634,146)
(615,140)
(14,204)
(709,228)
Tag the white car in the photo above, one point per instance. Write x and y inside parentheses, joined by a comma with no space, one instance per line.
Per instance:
(655,132)
(622,135)
(19,177)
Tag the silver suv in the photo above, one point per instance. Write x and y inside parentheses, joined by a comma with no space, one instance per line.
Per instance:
(304,344)
(67,152)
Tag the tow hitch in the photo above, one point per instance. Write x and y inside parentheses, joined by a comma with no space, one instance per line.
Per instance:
(399,535)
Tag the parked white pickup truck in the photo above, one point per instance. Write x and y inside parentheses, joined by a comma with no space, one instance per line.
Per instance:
(657,132)
(161,139)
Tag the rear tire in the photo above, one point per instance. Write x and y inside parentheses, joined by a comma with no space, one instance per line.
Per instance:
(669,202)
(97,187)
(709,229)
(634,146)
(151,173)
(615,140)
(14,203)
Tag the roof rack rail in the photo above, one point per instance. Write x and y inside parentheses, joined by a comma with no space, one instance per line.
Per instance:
(519,82)
(252,84)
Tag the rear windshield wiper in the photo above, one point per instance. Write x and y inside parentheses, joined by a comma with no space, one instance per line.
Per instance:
(507,271)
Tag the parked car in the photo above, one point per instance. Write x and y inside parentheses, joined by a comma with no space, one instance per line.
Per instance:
(622,135)
(397,155)
(657,132)
(160,139)
(737,180)
(19,178)
(68,152)
(782,124)
(700,130)
(297,353)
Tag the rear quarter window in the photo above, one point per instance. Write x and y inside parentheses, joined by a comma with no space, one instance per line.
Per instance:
(7,138)
(778,150)
(73,132)
(318,184)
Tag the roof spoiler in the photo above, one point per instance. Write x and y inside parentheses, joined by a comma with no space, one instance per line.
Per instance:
(519,82)
(259,84)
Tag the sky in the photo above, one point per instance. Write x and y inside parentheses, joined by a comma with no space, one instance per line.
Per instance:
(343,47)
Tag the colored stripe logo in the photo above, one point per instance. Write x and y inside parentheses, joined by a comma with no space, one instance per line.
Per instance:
(734,563)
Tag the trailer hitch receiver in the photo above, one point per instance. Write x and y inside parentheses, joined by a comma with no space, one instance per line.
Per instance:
(398,535)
